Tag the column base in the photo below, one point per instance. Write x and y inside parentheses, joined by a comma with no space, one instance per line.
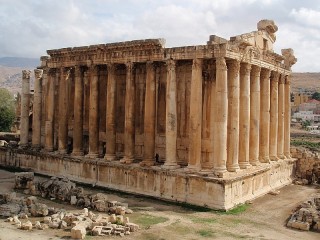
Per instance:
(193,168)
(220,172)
(170,166)
(265,159)
(77,153)
(254,162)
(62,151)
(109,157)
(281,156)
(288,155)
(274,158)
(233,168)
(48,149)
(23,146)
(147,163)
(127,160)
(36,147)
(244,165)
(92,155)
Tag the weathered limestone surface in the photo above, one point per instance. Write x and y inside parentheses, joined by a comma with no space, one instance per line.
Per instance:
(219,110)
(37,100)
(25,105)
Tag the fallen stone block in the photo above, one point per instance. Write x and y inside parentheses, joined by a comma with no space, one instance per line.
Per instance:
(39,210)
(301,225)
(37,225)
(78,232)
(23,180)
(73,200)
(26,226)
(47,220)
(133,227)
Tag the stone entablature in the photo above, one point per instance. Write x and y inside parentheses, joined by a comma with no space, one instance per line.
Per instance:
(215,108)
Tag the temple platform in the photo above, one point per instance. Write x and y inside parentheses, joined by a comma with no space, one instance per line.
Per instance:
(178,185)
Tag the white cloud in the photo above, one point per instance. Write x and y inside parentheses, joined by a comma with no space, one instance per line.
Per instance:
(30,27)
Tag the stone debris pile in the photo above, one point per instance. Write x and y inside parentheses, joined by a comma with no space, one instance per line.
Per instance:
(308,166)
(80,224)
(62,189)
(307,216)
(18,210)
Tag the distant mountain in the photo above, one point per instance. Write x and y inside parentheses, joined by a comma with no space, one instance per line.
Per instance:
(19,62)
(305,80)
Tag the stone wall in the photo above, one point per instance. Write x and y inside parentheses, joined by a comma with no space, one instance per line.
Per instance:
(178,186)
(308,163)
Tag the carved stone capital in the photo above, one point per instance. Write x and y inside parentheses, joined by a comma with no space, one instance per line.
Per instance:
(38,73)
(94,70)
(265,73)
(245,69)
(282,79)
(77,71)
(26,74)
(275,76)
(150,66)
(234,67)
(221,63)
(129,66)
(171,65)
(197,63)
(287,79)
(289,58)
(255,71)
(111,67)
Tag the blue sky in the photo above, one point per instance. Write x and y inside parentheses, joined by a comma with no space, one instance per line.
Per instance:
(29,27)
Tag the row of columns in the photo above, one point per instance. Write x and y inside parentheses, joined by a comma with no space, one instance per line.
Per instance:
(251,120)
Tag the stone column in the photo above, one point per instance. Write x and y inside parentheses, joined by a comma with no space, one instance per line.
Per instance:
(111,115)
(287,117)
(171,116)
(149,116)
(220,118)
(25,108)
(264,116)
(50,111)
(254,115)
(244,124)
(93,113)
(129,123)
(273,142)
(233,116)
(37,99)
(78,113)
(63,111)
(281,109)
(194,162)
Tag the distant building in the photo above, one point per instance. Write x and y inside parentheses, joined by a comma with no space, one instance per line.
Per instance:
(310,105)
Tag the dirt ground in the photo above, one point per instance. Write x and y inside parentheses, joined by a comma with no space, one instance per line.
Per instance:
(264,218)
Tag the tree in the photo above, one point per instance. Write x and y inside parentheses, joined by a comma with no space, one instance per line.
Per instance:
(7,110)
(316,96)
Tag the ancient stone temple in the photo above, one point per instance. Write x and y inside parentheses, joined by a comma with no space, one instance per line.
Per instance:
(207,125)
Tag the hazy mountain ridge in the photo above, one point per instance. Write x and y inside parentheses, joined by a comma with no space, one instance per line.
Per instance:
(19,62)
(11,73)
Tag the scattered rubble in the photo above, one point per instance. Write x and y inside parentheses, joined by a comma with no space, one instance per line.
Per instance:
(307,216)
(18,210)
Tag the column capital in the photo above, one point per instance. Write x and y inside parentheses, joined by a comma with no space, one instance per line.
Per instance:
(171,64)
(197,63)
(245,69)
(287,80)
(282,79)
(255,70)
(221,63)
(149,65)
(77,70)
(275,76)
(111,67)
(265,73)
(234,66)
(129,66)
(38,73)
(26,74)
